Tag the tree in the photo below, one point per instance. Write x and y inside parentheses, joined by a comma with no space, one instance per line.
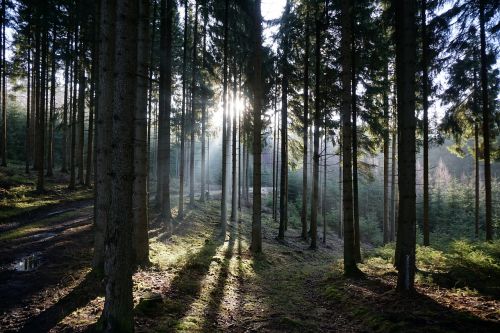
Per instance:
(284,125)
(140,196)
(350,268)
(405,38)
(105,102)
(425,104)
(225,98)
(118,306)
(193,104)
(256,81)
(165,92)
(3,69)
(317,124)
(486,122)
(180,213)
(303,216)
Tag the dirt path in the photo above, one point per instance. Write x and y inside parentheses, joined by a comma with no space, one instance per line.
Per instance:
(60,237)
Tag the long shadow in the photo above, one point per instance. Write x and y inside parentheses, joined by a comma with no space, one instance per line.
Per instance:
(217,294)
(184,289)
(86,291)
(380,308)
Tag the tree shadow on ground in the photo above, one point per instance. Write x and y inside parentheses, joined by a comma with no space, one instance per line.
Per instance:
(217,294)
(87,290)
(184,289)
(374,304)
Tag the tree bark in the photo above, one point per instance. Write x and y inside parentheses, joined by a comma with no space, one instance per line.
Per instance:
(317,124)
(425,104)
(234,192)
(140,196)
(180,213)
(41,113)
(256,244)
(203,112)
(224,121)
(405,29)
(303,217)
(104,118)
(385,98)
(193,105)
(118,306)
(4,86)
(486,124)
(350,267)
(163,151)
(64,148)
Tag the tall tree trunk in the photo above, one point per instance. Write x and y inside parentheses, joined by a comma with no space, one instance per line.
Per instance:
(224,121)
(41,114)
(275,152)
(163,162)
(81,122)
(118,306)
(350,267)
(476,180)
(76,69)
(50,141)
(193,105)
(317,124)
(323,203)
(486,124)
(180,213)
(284,128)
(81,110)
(3,69)
(392,227)
(64,148)
(385,97)
(341,195)
(425,103)
(27,141)
(36,94)
(305,160)
(203,111)
(140,196)
(256,245)
(92,103)
(405,29)
(355,191)
(104,118)
(234,191)
(476,155)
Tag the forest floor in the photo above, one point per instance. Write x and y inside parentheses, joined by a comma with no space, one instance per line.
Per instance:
(200,281)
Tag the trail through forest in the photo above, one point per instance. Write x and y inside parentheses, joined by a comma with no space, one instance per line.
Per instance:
(200,281)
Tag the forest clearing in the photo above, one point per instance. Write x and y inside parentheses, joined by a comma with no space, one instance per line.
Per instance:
(249,166)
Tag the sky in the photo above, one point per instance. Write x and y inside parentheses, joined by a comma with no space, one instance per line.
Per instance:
(271,9)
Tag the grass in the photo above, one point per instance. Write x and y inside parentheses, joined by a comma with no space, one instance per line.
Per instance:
(461,264)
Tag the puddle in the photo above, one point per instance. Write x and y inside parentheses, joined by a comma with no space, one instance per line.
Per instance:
(28,263)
